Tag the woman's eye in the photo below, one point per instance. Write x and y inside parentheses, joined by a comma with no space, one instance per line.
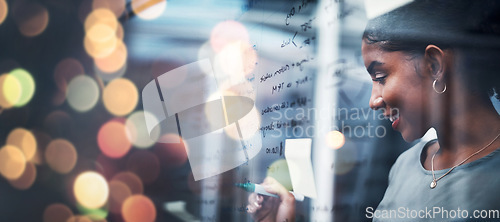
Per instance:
(380,78)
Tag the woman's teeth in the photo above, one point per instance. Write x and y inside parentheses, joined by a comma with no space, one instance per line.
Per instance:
(394,118)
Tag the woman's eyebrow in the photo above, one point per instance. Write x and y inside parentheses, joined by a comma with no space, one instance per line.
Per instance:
(372,65)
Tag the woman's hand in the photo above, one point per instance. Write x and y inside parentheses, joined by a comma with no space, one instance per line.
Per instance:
(266,208)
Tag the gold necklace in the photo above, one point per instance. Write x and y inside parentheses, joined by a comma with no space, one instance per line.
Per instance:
(434,180)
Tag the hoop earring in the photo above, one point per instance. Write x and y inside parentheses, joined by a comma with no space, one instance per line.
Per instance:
(435,90)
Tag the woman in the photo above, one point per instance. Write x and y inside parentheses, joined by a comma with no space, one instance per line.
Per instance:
(434,64)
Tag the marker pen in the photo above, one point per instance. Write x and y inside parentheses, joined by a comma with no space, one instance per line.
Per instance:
(256,188)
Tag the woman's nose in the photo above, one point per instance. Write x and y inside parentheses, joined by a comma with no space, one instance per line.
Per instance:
(376,102)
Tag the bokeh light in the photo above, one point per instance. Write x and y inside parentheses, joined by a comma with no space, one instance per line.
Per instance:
(100,41)
(10,91)
(228,32)
(4,10)
(101,16)
(57,213)
(145,164)
(27,86)
(118,193)
(31,18)
(24,140)
(120,97)
(335,139)
(116,6)
(101,33)
(149,9)
(26,180)
(139,135)
(83,93)
(91,190)
(114,61)
(113,139)
(138,208)
(12,162)
(61,156)
(236,59)
(171,154)
(279,171)
(66,70)
(18,88)
(132,181)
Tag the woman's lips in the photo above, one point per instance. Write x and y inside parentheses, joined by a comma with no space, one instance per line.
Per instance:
(395,121)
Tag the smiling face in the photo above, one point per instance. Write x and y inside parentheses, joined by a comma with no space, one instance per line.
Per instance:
(399,89)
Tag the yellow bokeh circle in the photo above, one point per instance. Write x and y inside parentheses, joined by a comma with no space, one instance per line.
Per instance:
(24,140)
(10,91)
(120,97)
(27,85)
(101,28)
(91,190)
(100,41)
(115,60)
(335,139)
(101,16)
(12,162)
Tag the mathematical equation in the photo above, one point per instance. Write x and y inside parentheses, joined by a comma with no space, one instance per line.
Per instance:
(281,86)
(275,150)
(299,102)
(303,4)
(285,68)
(275,125)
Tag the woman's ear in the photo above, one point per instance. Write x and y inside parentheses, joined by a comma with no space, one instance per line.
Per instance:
(435,62)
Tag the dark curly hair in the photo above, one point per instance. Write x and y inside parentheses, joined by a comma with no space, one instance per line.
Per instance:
(469,26)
